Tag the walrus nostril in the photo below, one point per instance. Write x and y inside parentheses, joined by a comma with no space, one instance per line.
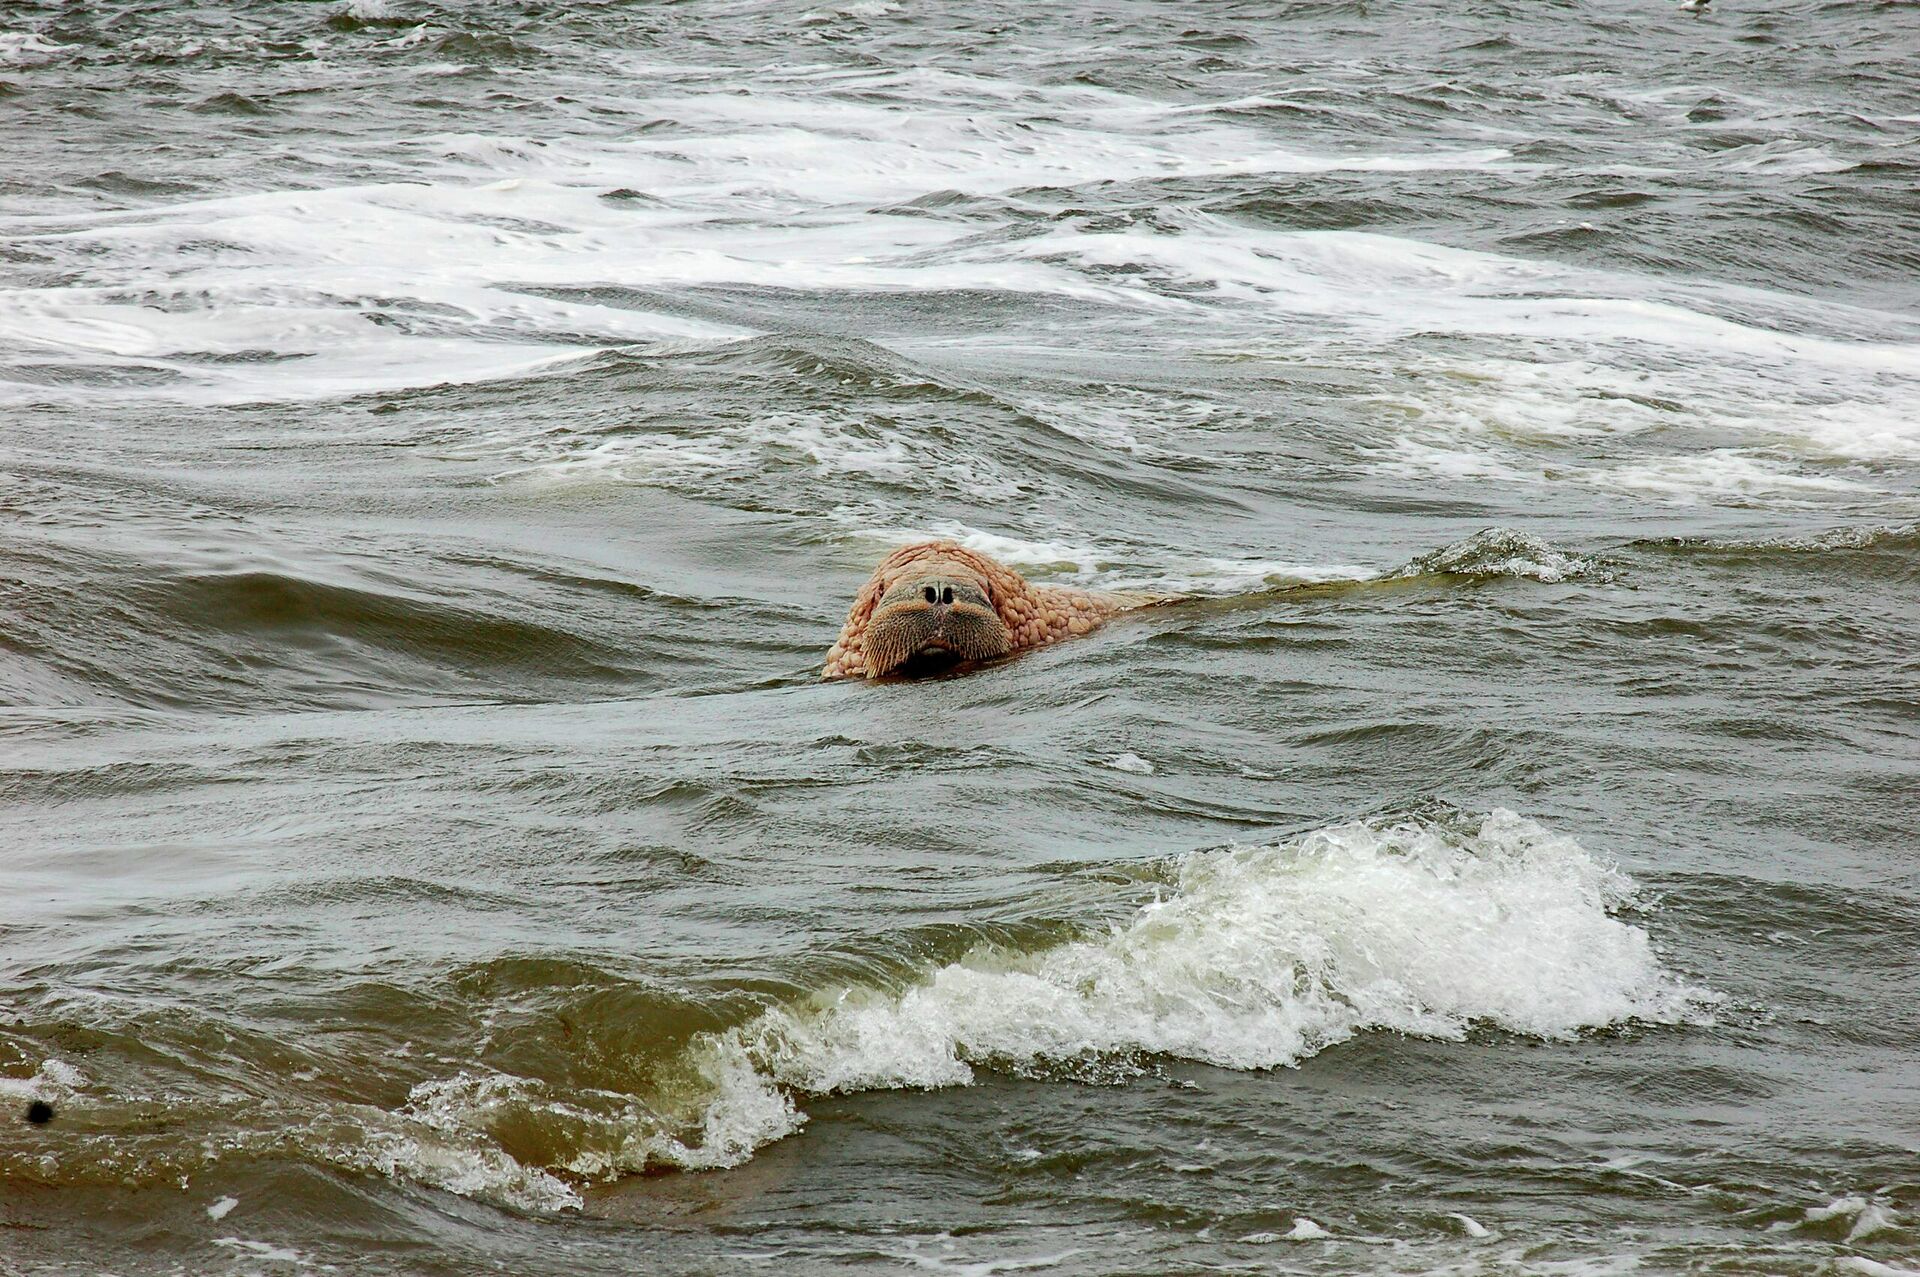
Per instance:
(930,594)
(946,595)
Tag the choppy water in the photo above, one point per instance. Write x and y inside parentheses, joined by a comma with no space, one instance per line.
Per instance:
(438,444)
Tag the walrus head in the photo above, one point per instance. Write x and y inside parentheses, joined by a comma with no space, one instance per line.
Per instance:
(932,621)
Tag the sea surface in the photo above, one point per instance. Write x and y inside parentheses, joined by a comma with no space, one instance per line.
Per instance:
(438,444)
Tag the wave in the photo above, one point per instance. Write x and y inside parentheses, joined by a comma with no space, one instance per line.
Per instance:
(1893,537)
(1889,550)
(798,422)
(978,207)
(1249,958)
(268,633)
(1501,552)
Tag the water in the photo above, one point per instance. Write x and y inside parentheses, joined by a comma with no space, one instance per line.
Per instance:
(440,444)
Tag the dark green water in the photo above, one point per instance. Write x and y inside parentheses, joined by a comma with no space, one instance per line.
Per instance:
(438,445)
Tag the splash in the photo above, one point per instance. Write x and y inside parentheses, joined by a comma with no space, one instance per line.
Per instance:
(1498,552)
(1258,958)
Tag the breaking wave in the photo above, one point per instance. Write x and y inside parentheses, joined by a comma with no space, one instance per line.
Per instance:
(1497,552)
(1249,958)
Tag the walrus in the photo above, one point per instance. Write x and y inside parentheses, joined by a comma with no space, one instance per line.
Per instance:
(937,605)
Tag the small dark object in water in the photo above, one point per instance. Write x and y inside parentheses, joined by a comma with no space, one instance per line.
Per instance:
(39,1112)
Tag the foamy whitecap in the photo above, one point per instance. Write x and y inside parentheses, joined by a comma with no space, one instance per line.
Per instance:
(1253,958)
(1493,552)
(1520,402)
(1864,1216)
(1257,958)
(1414,458)
(1131,421)
(1388,285)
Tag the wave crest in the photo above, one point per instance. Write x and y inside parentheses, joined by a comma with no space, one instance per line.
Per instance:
(1496,552)
(1258,957)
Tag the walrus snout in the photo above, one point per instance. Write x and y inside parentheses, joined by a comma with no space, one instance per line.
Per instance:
(935,614)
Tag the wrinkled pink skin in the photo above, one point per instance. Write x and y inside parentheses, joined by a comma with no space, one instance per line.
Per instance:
(1035,615)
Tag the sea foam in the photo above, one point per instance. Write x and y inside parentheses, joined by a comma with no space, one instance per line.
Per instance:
(1255,958)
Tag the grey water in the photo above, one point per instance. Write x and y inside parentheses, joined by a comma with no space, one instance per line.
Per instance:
(438,444)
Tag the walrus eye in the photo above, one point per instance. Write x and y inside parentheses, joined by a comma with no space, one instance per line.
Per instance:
(946,595)
(929,593)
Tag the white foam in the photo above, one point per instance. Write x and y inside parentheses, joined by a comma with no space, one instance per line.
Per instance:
(1648,354)
(1502,552)
(916,132)
(220,1209)
(266,1251)
(1868,1216)
(1239,576)
(457,274)
(1258,958)
(946,1258)
(778,188)
(27,48)
(54,1080)
(833,446)
(861,10)
(1127,420)
(1782,158)
(657,458)
(1721,472)
(1304,1230)
(1081,561)
(1481,420)
(416,35)
(1090,565)
(440,1139)
(1131,763)
(688,457)
(1873,1267)
(1520,401)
